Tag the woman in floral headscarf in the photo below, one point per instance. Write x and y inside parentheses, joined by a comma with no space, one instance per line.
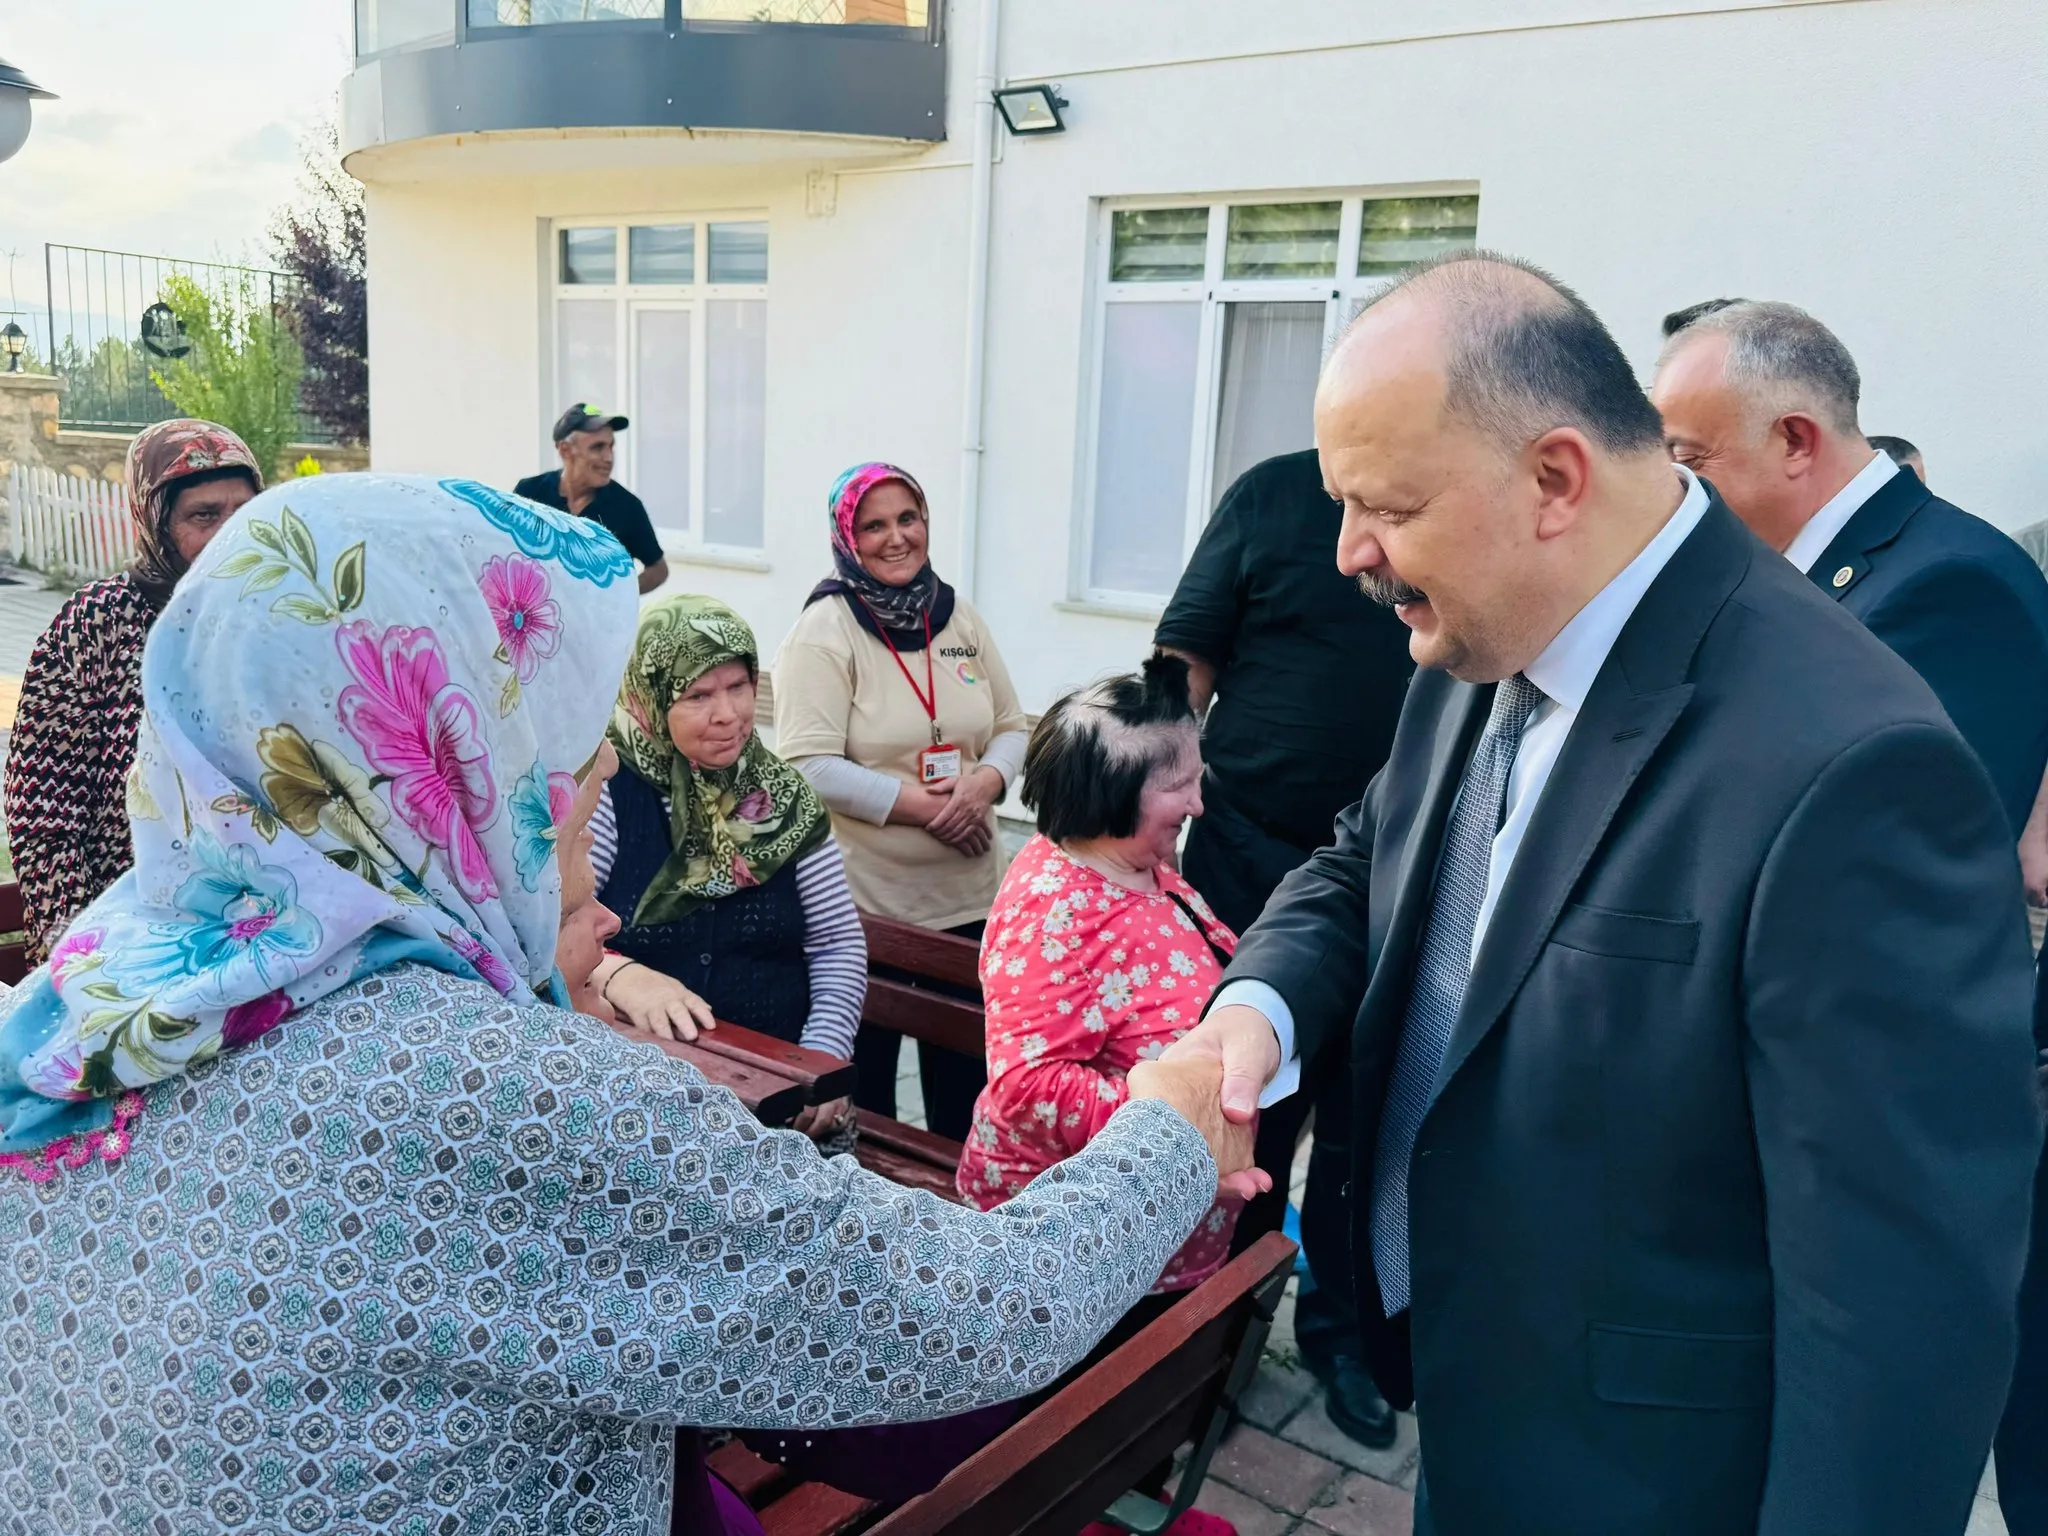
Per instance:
(892,699)
(316,1215)
(74,734)
(718,854)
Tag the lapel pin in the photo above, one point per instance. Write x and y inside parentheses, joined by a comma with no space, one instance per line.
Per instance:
(1844,576)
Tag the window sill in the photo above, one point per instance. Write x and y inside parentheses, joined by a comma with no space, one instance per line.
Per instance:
(1105,608)
(719,559)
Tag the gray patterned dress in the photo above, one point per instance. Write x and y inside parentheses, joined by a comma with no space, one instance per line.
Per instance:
(426,1261)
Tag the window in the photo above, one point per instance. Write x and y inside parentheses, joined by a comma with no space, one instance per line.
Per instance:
(383,24)
(1214,322)
(667,322)
(548,13)
(825,13)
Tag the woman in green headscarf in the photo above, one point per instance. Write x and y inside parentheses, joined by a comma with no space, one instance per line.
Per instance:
(717,854)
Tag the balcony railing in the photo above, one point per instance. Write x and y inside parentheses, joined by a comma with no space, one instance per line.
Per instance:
(385,25)
(852,70)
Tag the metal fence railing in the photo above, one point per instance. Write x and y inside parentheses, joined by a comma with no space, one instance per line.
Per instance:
(98,303)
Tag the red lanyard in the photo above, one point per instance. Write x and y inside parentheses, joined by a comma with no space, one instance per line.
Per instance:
(931,686)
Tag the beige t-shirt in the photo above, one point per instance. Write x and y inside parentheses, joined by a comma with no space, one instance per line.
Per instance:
(839,693)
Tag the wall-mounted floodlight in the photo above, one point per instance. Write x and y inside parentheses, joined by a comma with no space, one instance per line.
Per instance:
(16,91)
(1030,109)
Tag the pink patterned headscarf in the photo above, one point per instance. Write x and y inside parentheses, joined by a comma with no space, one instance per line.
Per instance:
(160,459)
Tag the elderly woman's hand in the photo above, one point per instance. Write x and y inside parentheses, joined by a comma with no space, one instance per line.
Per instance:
(655,1003)
(964,824)
(1193,1088)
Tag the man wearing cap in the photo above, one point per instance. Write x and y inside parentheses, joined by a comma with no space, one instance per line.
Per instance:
(584,486)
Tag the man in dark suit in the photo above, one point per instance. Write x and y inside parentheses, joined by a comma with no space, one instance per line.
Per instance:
(1760,400)
(1680,948)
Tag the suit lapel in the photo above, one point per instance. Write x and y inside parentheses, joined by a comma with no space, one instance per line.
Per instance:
(1640,693)
(1847,559)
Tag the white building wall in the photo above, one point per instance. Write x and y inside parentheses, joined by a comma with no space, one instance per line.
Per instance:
(1878,161)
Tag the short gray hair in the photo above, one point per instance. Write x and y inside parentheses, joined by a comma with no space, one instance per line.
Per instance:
(1782,360)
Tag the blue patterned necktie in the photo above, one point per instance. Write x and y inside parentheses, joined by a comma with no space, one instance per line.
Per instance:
(1443,965)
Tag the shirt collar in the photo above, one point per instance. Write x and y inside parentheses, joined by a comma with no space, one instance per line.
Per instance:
(1820,530)
(1569,664)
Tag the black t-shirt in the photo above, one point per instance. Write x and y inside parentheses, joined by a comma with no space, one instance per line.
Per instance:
(612,504)
(1310,672)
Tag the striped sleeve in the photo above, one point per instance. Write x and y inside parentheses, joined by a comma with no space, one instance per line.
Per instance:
(836,951)
(604,837)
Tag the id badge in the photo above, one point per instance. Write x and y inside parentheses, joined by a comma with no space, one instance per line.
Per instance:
(935,765)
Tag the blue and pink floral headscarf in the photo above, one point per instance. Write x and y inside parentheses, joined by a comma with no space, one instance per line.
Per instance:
(362,711)
(901,614)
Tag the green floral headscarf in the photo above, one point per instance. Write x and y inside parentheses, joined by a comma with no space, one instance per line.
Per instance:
(729,828)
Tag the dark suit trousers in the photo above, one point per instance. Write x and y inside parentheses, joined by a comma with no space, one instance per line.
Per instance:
(2022,1447)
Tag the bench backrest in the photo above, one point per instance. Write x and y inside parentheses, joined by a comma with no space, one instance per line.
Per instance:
(950,1022)
(1076,1454)
(13,951)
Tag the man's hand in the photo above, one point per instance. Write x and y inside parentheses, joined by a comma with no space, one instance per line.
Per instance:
(1242,1042)
(1189,1088)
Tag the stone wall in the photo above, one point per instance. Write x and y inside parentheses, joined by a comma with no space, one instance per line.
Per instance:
(32,433)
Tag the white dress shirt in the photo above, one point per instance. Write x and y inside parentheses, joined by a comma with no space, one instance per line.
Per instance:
(1821,528)
(1565,672)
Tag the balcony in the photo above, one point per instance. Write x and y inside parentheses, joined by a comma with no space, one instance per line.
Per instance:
(826,78)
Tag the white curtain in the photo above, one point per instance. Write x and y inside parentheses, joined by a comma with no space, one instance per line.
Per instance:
(1142,445)
(1271,355)
(661,415)
(736,412)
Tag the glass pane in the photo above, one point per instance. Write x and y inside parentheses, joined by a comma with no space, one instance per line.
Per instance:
(735,419)
(662,253)
(826,13)
(1271,356)
(1283,240)
(590,255)
(382,24)
(739,253)
(548,13)
(661,414)
(1400,231)
(586,354)
(1142,437)
(1158,245)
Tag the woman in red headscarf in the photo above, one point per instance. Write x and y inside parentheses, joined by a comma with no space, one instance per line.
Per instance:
(74,733)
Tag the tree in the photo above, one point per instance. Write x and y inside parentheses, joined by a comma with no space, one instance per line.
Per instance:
(319,240)
(244,367)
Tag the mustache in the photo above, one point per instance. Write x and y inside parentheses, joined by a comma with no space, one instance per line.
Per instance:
(1388,591)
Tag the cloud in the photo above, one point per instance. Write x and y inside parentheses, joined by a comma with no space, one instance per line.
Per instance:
(272,143)
(91,127)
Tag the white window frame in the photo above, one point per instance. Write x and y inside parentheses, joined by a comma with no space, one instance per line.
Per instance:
(629,298)
(1340,295)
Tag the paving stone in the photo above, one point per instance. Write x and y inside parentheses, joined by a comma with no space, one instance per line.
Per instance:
(1277,1391)
(1246,1513)
(1312,1429)
(1271,1470)
(1365,1506)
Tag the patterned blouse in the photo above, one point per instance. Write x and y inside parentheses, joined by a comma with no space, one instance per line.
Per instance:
(67,761)
(1083,978)
(422,1259)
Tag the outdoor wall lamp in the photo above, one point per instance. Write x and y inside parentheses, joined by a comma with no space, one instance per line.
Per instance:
(16,91)
(15,340)
(1031,109)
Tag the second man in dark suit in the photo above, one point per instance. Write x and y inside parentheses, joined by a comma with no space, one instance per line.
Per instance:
(1680,952)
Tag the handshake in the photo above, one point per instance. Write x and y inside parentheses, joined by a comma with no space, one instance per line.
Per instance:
(1192,1086)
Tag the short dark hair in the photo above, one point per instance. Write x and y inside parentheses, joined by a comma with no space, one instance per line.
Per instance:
(1521,363)
(1092,752)
(1897,447)
(1679,319)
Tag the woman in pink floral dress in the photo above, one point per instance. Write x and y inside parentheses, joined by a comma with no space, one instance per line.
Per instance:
(1098,954)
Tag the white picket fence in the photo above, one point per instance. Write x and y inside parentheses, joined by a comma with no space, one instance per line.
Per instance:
(63,523)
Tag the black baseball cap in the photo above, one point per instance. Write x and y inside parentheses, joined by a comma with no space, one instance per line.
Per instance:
(586,418)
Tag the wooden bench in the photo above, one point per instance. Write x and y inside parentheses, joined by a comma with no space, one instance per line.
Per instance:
(950,1022)
(13,947)
(1074,1457)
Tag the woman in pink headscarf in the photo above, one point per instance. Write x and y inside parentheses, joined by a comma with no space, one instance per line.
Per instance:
(74,734)
(891,699)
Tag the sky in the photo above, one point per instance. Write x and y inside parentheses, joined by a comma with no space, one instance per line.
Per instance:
(178,128)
